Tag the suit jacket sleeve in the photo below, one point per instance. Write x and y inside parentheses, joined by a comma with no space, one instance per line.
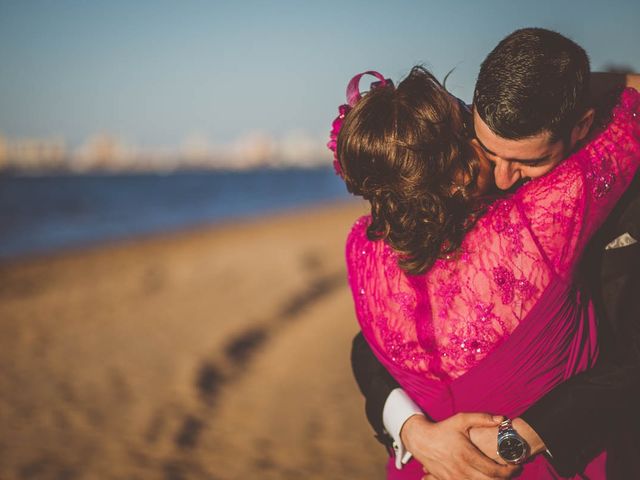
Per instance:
(374,382)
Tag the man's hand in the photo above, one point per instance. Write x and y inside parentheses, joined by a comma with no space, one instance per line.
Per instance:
(445,451)
(485,439)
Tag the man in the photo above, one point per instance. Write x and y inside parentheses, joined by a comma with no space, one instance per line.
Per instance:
(531,109)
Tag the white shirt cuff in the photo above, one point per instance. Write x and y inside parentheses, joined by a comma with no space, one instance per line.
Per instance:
(397,409)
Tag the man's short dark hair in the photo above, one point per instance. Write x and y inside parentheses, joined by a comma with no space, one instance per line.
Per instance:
(535,80)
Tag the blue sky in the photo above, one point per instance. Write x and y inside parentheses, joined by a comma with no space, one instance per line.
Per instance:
(155,72)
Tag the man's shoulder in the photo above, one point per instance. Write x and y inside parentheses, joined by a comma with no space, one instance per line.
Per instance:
(625,217)
(630,207)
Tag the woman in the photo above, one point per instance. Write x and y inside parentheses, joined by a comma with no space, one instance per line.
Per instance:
(470,305)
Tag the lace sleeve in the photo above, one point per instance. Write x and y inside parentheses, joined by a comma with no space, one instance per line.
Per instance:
(565,207)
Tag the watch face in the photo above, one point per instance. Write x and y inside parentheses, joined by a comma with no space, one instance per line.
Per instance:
(511,449)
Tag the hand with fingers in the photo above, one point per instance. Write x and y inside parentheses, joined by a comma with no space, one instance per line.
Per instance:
(445,449)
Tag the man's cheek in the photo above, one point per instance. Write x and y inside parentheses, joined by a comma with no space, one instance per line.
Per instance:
(518,184)
(530,173)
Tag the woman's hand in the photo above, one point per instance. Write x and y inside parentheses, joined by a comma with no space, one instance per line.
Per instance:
(445,450)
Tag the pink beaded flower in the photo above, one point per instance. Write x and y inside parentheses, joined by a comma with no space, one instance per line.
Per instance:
(353,95)
(333,136)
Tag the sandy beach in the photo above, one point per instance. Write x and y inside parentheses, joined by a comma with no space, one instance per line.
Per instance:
(217,353)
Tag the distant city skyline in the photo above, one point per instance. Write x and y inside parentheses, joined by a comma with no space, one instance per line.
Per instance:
(209,76)
(104,152)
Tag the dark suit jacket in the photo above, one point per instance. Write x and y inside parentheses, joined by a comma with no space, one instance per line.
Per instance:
(596,409)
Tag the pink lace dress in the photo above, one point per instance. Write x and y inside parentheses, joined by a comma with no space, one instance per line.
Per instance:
(499,324)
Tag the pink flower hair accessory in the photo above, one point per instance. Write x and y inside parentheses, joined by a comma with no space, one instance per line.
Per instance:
(353,95)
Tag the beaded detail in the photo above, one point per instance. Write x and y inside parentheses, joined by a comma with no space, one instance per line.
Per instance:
(507,284)
(601,180)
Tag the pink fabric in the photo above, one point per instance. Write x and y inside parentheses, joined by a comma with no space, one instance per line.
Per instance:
(353,88)
(498,325)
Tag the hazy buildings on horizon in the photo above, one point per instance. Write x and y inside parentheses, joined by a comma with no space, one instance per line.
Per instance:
(107,153)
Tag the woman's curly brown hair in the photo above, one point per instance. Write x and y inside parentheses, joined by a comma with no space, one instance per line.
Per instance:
(406,150)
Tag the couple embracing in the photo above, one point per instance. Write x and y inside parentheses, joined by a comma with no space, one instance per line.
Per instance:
(515,301)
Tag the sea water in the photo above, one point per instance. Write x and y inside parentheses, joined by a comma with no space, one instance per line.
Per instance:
(48,213)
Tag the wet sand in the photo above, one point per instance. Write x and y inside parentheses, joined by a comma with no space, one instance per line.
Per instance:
(218,353)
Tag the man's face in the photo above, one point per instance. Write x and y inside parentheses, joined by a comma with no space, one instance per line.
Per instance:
(516,161)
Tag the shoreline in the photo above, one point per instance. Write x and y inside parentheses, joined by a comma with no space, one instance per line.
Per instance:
(66,213)
(194,229)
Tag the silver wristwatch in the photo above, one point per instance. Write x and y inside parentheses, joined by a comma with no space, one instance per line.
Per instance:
(512,448)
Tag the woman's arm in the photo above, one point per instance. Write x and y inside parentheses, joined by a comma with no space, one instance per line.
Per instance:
(565,207)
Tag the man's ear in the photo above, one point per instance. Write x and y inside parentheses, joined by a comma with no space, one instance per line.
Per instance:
(582,127)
